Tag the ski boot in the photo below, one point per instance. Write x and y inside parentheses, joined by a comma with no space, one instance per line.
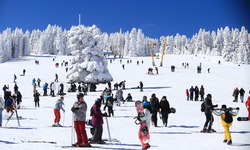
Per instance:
(225,141)
(229,142)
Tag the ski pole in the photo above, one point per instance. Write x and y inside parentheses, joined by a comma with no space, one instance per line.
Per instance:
(108,129)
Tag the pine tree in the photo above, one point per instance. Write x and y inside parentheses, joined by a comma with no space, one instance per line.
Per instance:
(243,47)
(228,46)
(132,44)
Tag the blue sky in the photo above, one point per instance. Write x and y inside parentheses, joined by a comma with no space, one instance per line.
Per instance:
(155,17)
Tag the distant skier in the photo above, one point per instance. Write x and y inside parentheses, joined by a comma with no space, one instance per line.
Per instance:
(36,98)
(118,96)
(208,70)
(242,92)
(56,77)
(24,72)
(137,62)
(79,88)
(154,102)
(191,90)
(156,69)
(38,82)
(15,78)
(19,99)
(123,66)
(45,87)
(196,91)
(109,103)
(141,86)
(165,110)
(202,92)
(15,88)
(227,115)
(57,108)
(187,93)
(53,88)
(116,86)
(109,85)
(61,89)
(79,110)
(235,94)
(208,112)
(248,105)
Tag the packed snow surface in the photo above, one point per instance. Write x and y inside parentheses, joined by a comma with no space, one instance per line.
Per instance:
(180,133)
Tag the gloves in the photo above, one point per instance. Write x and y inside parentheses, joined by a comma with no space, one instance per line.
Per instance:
(73,109)
(105,114)
(237,108)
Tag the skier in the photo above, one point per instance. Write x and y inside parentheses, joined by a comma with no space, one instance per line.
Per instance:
(79,110)
(45,86)
(38,82)
(123,84)
(119,96)
(1,109)
(15,88)
(109,103)
(34,87)
(8,104)
(123,66)
(242,92)
(61,89)
(79,88)
(85,89)
(56,77)
(202,92)
(208,70)
(19,99)
(165,110)
(24,72)
(15,78)
(53,88)
(191,90)
(196,91)
(97,121)
(36,98)
(129,98)
(141,86)
(57,108)
(208,112)
(146,117)
(7,95)
(154,101)
(227,121)
(235,94)
(187,93)
(248,105)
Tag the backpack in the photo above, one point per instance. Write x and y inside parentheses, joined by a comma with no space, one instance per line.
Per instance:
(228,117)
(203,107)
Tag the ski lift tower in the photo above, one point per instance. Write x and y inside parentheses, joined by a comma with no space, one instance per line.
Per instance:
(153,62)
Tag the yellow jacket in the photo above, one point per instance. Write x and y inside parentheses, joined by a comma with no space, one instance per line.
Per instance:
(221,113)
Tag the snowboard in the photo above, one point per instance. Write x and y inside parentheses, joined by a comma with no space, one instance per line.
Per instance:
(143,123)
(243,119)
(172,110)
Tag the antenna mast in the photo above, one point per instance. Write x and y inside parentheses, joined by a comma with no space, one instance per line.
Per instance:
(79,19)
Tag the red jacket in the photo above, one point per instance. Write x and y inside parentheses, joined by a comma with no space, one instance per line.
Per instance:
(97,116)
(187,92)
(248,102)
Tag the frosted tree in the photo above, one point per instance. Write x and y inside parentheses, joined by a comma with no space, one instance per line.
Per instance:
(187,47)
(60,42)
(198,43)
(26,45)
(162,41)
(218,43)
(6,45)
(17,43)
(88,64)
(169,44)
(132,43)
(177,44)
(243,47)
(140,43)
(126,45)
(228,46)
(206,43)
(35,41)
(235,42)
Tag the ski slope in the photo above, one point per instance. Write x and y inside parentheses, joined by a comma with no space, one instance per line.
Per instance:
(179,135)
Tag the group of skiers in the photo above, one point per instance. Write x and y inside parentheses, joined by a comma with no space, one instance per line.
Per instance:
(193,93)
(236,93)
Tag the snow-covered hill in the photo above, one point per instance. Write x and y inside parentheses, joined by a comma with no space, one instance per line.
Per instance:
(220,82)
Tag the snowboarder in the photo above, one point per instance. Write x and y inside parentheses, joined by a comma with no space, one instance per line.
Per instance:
(248,106)
(24,72)
(19,99)
(97,121)
(129,98)
(202,92)
(79,110)
(36,98)
(56,77)
(57,108)
(208,112)
(227,121)
(1,109)
(154,101)
(15,78)
(146,117)
(119,96)
(191,90)
(235,94)
(165,110)
(38,82)
(187,93)
(141,86)
(242,92)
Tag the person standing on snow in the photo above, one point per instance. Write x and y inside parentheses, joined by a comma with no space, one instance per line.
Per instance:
(57,108)
(24,72)
(53,88)
(97,121)
(235,94)
(79,110)
(141,86)
(19,99)
(15,78)
(45,87)
(248,106)
(242,92)
(118,96)
(109,103)
(154,101)
(196,91)
(208,112)
(191,90)
(146,117)
(165,110)
(227,121)
(56,77)
(187,93)
(38,82)
(202,92)
(36,98)
(8,104)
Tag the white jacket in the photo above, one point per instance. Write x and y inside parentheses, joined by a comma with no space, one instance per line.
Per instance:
(53,87)
(1,103)
(147,117)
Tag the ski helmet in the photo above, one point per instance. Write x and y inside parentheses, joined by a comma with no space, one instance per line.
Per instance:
(79,95)
(145,103)
(98,100)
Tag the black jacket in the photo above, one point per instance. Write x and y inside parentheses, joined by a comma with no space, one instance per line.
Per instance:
(209,105)
(154,101)
(164,105)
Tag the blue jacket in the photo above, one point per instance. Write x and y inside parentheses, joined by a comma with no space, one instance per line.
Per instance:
(8,102)
(44,86)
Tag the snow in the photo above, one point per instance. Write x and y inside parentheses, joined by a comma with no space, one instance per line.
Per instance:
(220,82)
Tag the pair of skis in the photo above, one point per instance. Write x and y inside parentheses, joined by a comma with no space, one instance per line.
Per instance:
(14,111)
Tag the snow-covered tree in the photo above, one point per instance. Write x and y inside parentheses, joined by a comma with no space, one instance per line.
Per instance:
(228,46)
(126,45)
(140,43)
(169,44)
(26,46)
(6,45)
(89,64)
(132,42)
(177,44)
(198,43)
(243,47)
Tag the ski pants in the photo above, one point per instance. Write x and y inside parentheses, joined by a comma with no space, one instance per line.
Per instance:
(1,110)
(9,109)
(110,111)
(57,115)
(140,135)
(202,97)
(242,98)
(210,120)
(164,118)
(119,102)
(81,132)
(37,104)
(191,96)
(187,97)
(227,134)
(98,133)
(154,118)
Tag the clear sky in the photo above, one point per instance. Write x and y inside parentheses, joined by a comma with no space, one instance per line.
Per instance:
(155,17)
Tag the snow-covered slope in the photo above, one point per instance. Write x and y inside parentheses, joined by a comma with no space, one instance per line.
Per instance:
(220,82)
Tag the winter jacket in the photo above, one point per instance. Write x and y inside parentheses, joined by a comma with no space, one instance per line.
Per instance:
(164,105)
(209,105)
(222,114)
(7,95)
(2,103)
(19,97)
(147,117)
(187,93)
(118,94)
(59,104)
(236,93)
(242,92)
(97,116)
(248,102)
(53,86)
(154,101)
(191,90)
(196,90)
(36,97)
(9,102)
(109,101)
(80,115)
(202,91)
(45,86)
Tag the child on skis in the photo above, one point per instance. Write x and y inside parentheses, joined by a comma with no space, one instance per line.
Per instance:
(57,108)
(227,120)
